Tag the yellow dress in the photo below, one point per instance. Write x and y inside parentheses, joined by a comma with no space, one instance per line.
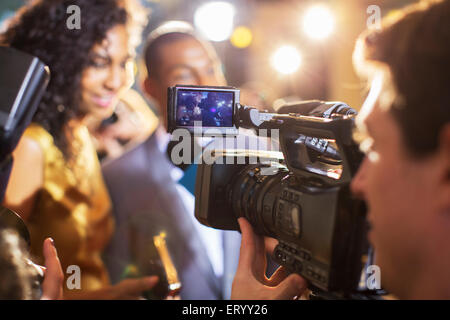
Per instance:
(73,208)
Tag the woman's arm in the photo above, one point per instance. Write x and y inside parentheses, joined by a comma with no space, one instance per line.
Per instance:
(27,177)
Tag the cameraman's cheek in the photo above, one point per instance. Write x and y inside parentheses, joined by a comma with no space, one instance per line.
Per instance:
(358,184)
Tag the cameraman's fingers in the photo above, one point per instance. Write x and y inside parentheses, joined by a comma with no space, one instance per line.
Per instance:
(252,258)
(135,287)
(248,245)
(292,286)
(270,244)
(54,276)
(279,275)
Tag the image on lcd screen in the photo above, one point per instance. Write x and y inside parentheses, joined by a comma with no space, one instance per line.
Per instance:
(212,108)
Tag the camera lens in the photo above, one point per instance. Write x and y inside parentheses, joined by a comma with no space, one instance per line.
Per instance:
(252,195)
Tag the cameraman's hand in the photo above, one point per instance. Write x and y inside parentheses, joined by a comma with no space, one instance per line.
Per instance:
(251,283)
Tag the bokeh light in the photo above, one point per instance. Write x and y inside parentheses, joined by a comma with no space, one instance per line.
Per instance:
(286,59)
(318,22)
(242,37)
(215,20)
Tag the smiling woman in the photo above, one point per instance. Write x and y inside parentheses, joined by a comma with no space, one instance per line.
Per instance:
(109,72)
(56,183)
(72,54)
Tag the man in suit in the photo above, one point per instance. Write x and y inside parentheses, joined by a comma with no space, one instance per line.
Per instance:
(144,184)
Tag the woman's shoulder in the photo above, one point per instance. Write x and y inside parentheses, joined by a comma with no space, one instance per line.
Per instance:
(39,135)
(31,147)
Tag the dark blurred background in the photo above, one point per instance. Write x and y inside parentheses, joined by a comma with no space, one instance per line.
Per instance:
(292,49)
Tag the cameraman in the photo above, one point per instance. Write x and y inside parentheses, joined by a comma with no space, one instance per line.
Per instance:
(405,177)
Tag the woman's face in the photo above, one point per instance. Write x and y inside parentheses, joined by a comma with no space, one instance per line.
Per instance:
(109,73)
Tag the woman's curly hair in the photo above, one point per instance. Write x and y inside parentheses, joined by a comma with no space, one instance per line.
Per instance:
(40,29)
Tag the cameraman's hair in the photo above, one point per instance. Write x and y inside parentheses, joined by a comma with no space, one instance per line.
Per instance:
(15,277)
(415,46)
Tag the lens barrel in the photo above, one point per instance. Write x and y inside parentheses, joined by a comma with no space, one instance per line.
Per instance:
(252,195)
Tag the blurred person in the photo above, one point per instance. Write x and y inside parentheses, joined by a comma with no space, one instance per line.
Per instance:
(145,186)
(188,110)
(178,56)
(405,176)
(192,111)
(56,184)
(130,124)
(19,276)
(258,95)
(209,110)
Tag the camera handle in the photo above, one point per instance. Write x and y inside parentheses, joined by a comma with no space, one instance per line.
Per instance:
(311,123)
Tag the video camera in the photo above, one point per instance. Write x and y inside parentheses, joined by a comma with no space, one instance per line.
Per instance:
(304,201)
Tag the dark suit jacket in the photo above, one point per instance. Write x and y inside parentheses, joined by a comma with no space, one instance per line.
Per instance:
(146,202)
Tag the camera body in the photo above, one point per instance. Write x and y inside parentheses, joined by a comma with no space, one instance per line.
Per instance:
(304,202)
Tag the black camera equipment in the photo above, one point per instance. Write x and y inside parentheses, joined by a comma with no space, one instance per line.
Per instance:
(23,79)
(306,205)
